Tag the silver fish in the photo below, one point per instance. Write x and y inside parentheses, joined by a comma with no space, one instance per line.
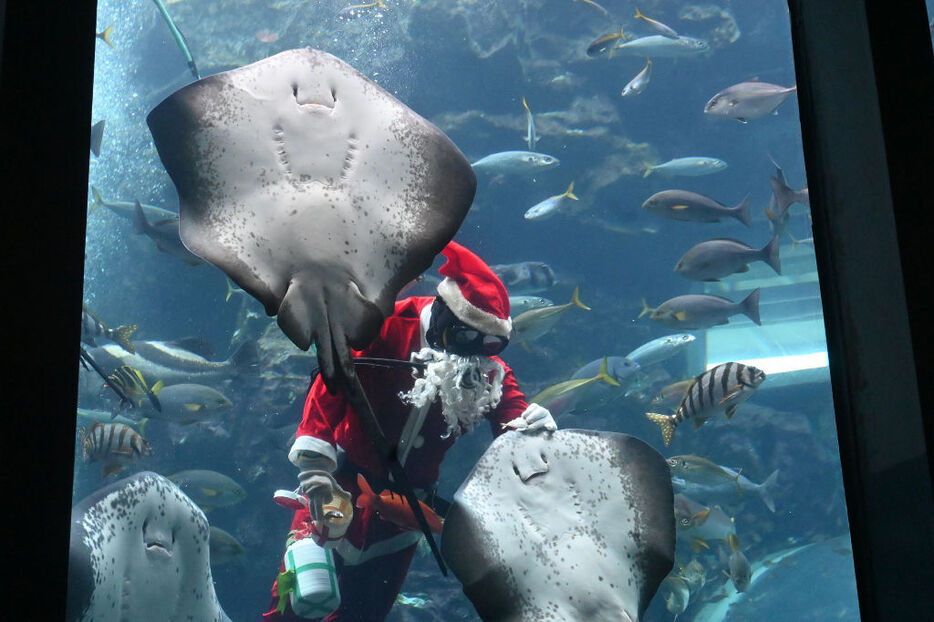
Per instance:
(691,166)
(515,163)
(748,100)
(740,570)
(126,209)
(164,235)
(784,196)
(638,84)
(721,388)
(174,362)
(531,135)
(656,26)
(727,491)
(660,349)
(551,205)
(694,207)
(696,311)
(659,46)
(520,304)
(536,322)
(720,257)
(698,524)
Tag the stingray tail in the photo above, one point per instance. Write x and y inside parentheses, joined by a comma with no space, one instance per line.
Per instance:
(666,423)
(765,490)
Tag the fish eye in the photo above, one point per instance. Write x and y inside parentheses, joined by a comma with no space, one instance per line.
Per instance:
(685,522)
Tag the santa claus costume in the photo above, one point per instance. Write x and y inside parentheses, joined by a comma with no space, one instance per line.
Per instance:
(373,556)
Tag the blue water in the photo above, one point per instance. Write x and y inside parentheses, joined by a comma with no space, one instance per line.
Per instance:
(465,65)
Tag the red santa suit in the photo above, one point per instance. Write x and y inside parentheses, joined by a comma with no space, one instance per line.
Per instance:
(374,555)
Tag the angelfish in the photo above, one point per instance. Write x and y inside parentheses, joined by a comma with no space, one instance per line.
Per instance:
(721,388)
(531,135)
(638,84)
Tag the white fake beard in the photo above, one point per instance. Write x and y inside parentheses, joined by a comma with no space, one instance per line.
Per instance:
(460,405)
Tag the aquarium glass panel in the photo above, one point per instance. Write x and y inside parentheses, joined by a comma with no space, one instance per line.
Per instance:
(641,194)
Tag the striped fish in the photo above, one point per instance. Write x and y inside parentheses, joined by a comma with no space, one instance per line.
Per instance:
(721,388)
(92,327)
(115,445)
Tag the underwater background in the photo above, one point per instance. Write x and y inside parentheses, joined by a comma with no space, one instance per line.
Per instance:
(466,65)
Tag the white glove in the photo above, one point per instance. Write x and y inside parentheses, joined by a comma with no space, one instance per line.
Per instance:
(532,419)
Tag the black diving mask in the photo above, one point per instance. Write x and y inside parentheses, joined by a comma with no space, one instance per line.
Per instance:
(454,336)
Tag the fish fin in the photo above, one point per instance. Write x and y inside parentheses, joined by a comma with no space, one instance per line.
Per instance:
(731,393)
(110,469)
(210,492)
(741,211)
(191,407)
(122,452)
(645,308)
(733,541)
(750,306)
(98,199)
(122,334)
(730,412)
(569,193)
(765,490)
(770,254)
(678,208)
(525,105)
(157,387)
(605,376)
(698,543)
(105,35)
(699,421)
(366,493)
(576,301)
(665,423)
(649,168)
(681,316)
(246,358)
(140,224)
(639,14)
(141,425)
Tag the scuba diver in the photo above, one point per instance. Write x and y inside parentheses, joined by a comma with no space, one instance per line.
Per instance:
(453,340)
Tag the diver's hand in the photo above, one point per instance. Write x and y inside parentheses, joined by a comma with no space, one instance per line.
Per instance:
(536,418)
(319,486)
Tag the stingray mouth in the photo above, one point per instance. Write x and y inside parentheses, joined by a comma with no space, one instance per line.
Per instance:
(157,541)
(158,548)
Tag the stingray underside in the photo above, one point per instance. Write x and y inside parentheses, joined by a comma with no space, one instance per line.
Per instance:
(314,189)
(576,525)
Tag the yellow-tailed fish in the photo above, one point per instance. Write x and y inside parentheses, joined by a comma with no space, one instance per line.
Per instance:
(534,323)
(104,35)
(131,381)
(531,134)
(656,26)
(561,388)
(595,5)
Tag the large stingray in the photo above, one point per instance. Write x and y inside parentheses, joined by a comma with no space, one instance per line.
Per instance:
(140,551)
(576,525)
(313,189)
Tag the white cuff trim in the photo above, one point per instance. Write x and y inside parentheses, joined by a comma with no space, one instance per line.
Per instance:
(314,445)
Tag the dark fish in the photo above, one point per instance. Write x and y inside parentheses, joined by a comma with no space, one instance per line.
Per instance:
(740,570)
(115,445)
(785,196)
(92,328)
(604,43)
(717,258)
(694,207)
(164,234)
(721,388)
(702,310)
(97,135)
(224,547)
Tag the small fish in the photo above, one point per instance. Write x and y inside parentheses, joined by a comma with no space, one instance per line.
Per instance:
(658,46)
(694,575)
(104,35)
(725,491)
(266,36)
(638,84)
(721,388)
(702,471)
(356,10)
(164,234)
(93,328)
(115,445)
(740,570)
(531,135)
(699,525)
(520,304)
(696,311)
(224,547)
(551,205)
(592,396)
(605,43)
(678,596)
(394,508)
(97,136)
(795,242)
(656,26)
(694,207)
(189,403)
(748,100)
(720,257)
(135,387)
(515,163)
(525,277)
(536,322)
(209,489)
(660,349)
(126,209)
(562,388)
(595,5)
(692,166)
(105,416)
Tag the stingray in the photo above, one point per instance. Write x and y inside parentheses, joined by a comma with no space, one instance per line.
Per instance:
(576,525)
(140,551)
(314,189)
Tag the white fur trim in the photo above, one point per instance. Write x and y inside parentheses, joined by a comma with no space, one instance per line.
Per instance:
(470,314)
(314,445)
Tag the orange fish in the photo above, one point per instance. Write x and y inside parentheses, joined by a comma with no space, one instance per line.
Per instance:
(394,507)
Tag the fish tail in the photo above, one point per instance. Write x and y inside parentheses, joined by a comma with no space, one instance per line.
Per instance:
(569,193)
(741,211)
(649,169)
(98,199)
(733,541)
(645,308)
(141,427)
(105,36)
(576,301)
(770,255)
(639,14)
(666,423)
(765,490)
(750,306)
(604,374)
(525,105)
(121,336)
(366,496)
(230,291)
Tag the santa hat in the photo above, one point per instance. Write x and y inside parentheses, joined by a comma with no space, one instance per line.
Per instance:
(473,292)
